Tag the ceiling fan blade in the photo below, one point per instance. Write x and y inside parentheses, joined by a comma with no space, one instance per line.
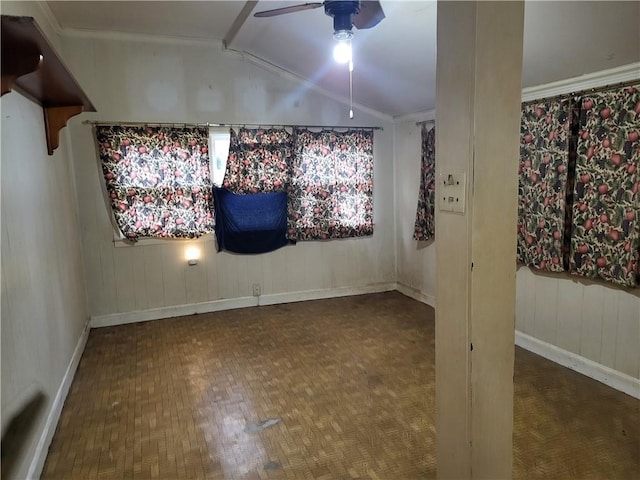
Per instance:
(283,10)
(369,16)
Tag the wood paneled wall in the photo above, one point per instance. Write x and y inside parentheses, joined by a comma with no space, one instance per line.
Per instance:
(43,295)
(125,279)
(593,320)
(416,261)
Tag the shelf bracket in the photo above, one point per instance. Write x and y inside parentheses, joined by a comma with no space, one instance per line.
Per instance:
(31,66)
(55,118)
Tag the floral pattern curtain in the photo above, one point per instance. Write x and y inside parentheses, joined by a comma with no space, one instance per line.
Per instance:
(259,161)
(332,185)
(425,225)
(544,162)
(605,239)
(157,180)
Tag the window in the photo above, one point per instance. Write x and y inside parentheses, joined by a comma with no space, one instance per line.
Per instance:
(259,160)
(331,185)
(425,224)
(543,170)
(219,140)
(579,185)
(158,180)
(605,239)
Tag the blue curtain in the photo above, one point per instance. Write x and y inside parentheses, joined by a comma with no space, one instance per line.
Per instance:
(253,223)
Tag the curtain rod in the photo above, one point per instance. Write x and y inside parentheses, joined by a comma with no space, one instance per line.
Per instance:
(426,122)
(602,88)
(230,125)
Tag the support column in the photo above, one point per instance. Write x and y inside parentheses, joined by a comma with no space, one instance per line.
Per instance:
(479,71)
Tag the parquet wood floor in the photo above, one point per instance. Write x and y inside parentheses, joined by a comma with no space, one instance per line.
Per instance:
(329,389)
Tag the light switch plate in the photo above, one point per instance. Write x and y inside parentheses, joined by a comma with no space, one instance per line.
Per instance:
(452,192)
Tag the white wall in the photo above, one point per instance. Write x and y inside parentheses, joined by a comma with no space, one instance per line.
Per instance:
(43,295)
(594,320)
(416,261)
(598,322)
(142,79)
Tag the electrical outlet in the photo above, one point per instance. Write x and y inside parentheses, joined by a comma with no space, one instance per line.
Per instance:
(256,289)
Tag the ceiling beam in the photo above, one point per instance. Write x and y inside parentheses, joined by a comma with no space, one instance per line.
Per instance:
(238,22)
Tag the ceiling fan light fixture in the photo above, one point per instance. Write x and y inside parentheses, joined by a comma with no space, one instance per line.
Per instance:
(342,51)
(342,35)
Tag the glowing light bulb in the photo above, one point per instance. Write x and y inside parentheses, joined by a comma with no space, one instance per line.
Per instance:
(342,51)
(192,254)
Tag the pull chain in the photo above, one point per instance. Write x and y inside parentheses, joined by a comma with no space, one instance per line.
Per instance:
(351,88)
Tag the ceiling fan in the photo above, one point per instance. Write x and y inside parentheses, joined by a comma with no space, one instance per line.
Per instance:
(345,14)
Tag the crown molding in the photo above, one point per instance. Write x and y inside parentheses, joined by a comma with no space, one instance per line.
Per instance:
(143,37)
(622,74)
(416,117)
(45,9)
(625,73)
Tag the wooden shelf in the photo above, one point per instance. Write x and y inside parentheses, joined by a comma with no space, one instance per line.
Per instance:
(31,66)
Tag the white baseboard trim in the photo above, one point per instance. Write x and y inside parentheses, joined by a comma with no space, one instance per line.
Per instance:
(303,296)
(416,294)
(172,311)
(232,303)
(610,377)
(42,449)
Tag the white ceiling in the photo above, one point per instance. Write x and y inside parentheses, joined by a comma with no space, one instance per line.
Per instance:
(394,61)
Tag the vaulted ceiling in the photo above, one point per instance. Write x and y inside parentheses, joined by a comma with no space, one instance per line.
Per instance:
(394,62)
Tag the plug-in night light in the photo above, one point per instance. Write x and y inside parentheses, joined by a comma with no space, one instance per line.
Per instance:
(192,255)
